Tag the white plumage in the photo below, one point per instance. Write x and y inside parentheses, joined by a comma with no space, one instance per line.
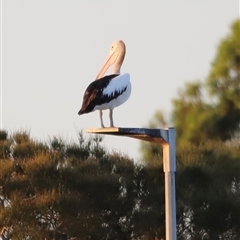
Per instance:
(110,91)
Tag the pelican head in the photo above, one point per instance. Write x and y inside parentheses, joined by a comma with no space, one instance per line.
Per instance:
(115,56)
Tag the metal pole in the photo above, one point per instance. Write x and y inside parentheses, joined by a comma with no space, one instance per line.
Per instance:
(169,168)
(165,137)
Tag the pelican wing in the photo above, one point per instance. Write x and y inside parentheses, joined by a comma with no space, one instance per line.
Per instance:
(94,96)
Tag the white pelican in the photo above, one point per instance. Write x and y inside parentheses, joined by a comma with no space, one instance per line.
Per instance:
(110,91)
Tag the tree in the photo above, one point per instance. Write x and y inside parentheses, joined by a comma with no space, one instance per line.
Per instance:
(208,192)
(193,118)
(224,83)
(197,119)
(207,178)
(80,190)
(5,144)
(75,190)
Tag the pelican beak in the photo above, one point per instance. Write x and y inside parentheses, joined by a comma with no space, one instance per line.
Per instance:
(111,58)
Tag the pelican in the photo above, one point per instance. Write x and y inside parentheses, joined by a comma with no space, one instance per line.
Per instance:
(108,92)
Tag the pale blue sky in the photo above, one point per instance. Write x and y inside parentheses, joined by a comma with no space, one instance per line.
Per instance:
(53,49)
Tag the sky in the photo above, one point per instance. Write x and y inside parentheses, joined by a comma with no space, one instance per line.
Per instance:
(52,50)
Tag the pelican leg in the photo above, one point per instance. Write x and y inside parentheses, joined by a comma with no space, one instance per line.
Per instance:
(101,119)
(111,117)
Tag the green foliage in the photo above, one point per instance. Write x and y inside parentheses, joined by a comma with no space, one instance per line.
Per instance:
(151,152)
(61,193)
(24,147)
(208,190)
(3,135)
(62,190)
(224,77)
(5,144)
(198,120)
(192,116)
(208,166)
(224,83)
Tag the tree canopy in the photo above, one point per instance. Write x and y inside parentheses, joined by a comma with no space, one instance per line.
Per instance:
(206,116)
(78,190)
(210,109)
(198,116)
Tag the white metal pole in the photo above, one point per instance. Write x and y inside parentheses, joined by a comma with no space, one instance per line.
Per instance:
(169,168)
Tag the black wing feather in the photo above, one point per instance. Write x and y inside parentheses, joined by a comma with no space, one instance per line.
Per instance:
(93,95)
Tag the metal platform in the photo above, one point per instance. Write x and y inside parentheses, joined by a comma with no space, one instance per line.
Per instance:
(159,136)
